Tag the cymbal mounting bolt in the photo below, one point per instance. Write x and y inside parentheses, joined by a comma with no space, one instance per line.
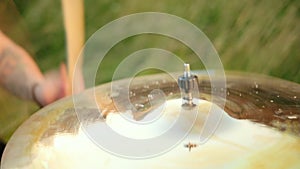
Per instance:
(187,83)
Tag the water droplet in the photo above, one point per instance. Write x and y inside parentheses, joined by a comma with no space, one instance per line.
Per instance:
(292,117)
(131,93)
(279,111)
(240,94)
(139,106)
(150,96)
(295,97)
(272,101)
(278,96)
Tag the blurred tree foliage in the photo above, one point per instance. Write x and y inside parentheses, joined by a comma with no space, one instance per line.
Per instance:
(260,36)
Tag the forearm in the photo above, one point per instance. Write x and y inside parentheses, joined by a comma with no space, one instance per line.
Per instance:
(18,72)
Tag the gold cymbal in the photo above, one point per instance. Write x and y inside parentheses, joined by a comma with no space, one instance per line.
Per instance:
(261,118)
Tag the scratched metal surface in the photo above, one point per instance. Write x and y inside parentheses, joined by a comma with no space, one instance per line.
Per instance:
(263,99)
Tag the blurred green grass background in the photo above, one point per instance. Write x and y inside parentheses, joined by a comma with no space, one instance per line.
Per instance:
(260,36)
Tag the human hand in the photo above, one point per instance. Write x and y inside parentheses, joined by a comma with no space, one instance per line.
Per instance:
(53,87)
(21,76)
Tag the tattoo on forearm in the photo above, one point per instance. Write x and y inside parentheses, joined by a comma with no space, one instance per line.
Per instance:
(13,76)
(8,62)
(18,73)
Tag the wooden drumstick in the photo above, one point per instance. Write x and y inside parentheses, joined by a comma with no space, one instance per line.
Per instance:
(73,13)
